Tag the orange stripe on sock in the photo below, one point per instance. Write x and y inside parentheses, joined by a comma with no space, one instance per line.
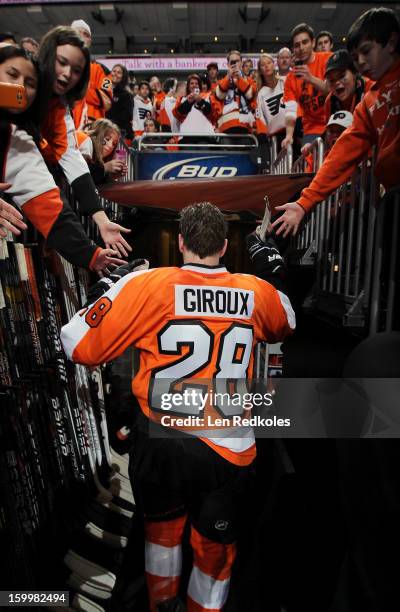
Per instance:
(161,588)
(212,558)
(166,533)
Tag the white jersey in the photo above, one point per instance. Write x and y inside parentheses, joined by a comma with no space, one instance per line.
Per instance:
(270,113)
(169,104)
(196,122)
(141,110)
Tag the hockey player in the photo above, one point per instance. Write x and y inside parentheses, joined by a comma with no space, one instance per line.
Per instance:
(198,323)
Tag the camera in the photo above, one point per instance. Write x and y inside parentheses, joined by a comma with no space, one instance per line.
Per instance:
(196,91)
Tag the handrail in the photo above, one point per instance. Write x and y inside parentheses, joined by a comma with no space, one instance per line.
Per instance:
(317,150)
(283,162)
(141,140)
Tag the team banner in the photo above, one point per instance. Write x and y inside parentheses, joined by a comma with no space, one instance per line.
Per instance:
(174,63)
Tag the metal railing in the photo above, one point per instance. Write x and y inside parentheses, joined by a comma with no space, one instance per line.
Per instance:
(210,141)
(281,163)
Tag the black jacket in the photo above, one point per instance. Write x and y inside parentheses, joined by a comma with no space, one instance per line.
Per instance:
(121,111)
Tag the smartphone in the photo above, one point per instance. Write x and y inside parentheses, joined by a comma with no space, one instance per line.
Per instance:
(12,96)
(298,63)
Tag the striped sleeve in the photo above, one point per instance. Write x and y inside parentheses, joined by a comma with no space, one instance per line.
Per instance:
(33,189)
(277,319)
(102,331)
(290,97)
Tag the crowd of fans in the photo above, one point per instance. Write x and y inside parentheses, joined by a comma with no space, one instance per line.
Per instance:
(294,97)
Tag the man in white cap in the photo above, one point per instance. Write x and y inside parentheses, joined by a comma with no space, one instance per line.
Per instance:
(98,98)
(337,124)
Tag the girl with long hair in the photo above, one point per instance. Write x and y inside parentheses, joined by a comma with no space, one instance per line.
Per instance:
(270,113)
(65,62)
(25,178)
(98,144)
(122,105)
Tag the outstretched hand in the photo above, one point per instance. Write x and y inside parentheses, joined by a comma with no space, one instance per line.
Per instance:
(111,234)
(10,217)
(106,259)
(289,222)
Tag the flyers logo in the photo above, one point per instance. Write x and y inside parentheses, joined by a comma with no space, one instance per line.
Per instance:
(144,113)
(274,104)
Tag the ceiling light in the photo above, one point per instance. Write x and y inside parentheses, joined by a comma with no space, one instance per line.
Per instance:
(155,39)
(172,51)
(261,50)
(215,38)
(276,38)
(344,39)
(145,50)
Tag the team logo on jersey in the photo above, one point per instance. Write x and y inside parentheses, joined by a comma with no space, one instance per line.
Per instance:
(211,301)
(221,525)
(185,168)
(144,113)
(274,104)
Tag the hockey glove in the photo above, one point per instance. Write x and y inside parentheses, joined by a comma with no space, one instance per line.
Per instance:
(106,283)
(267,261)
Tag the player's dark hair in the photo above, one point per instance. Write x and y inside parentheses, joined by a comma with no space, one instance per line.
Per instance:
(62,35)
(203,229)
(144,83)
(323,33)
(377,24)
(299,29)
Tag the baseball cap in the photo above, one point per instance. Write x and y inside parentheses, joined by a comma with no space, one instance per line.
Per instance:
(340,60)
(342,118)
(212,65)
(79,24)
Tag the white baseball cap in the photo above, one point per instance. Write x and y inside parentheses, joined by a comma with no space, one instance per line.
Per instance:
(79,24)
(342,118)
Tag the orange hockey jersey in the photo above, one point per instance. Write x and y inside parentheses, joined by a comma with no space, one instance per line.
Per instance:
(299,92)
(98,98)
(238,100)
(197,323)
(376,121)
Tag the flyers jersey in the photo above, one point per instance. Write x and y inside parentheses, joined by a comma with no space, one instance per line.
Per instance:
(270,111)
(197,323)
(299,92)
(98,99)
(34,191)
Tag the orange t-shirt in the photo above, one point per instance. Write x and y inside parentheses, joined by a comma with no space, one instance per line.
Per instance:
(310,99)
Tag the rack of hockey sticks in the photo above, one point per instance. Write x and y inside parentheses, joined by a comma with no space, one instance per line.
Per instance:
(65,494)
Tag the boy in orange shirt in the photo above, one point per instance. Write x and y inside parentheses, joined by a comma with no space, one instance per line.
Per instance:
(374,42)
(305,87)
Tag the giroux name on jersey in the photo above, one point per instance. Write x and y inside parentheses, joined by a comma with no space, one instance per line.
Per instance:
(213,301)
